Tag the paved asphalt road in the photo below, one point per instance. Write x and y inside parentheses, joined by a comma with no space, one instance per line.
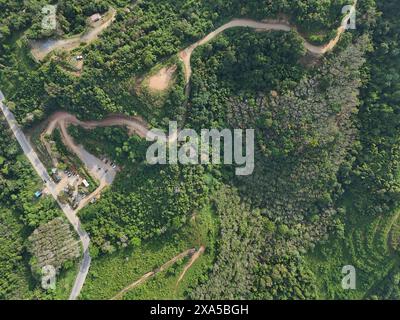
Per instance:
(69,213)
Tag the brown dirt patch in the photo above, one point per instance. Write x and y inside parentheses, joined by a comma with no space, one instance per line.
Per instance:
(162,79)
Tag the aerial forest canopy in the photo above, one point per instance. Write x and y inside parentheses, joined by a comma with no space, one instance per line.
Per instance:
(325,191)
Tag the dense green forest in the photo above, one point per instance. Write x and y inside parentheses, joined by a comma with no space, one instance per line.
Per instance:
(325,191)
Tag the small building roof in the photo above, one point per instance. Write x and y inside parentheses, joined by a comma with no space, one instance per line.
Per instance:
(85,183)
(95,17)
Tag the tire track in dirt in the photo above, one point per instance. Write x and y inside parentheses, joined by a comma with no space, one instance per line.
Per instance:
(192,260)
(153,273)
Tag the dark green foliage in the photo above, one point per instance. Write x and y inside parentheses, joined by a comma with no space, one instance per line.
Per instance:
(12,280)
(240,63)
(240,242)
(144,202)
(378,163)
(73,15)
(389,288)
(144,34)
(304,143)
(18,183)
(113,142)
(369,241)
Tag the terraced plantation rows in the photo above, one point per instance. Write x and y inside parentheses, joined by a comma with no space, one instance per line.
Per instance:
(370,245)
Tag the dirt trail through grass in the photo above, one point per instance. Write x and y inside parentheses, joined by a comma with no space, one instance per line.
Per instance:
(153,273)
(190,263)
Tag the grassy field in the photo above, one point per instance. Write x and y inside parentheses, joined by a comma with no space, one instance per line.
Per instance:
(65,281)
(110,274)
(368,246)
(164,285)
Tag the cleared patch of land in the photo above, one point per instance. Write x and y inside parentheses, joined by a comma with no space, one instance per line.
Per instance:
(192,260)
(161,80)
(41,48)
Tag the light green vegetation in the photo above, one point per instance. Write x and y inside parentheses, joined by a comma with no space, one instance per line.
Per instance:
(366,246)
(112,273)
(64,282)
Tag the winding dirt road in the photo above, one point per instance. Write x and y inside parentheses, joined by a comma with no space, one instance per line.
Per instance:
(104,173)
(153,273)
(186,54)
(190,263)
(135,125)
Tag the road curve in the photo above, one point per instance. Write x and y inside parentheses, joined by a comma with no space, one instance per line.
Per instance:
(186,54)
(135,125)
(69,213)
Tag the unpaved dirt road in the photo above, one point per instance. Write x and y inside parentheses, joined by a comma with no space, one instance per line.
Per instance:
(135,125)
(186,54)
(103,172)
(62,120)
(190,263)
(41,48)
